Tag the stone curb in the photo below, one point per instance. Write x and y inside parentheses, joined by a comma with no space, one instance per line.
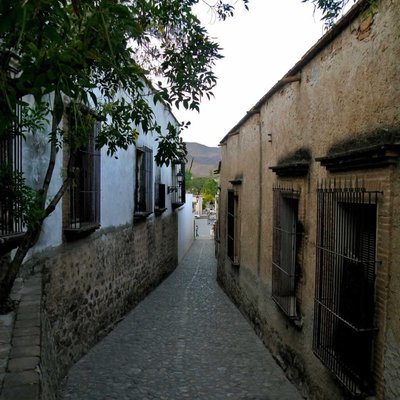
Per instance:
(21,342)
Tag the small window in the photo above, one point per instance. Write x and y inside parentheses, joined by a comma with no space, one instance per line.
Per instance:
(84,200)
(345,285)
(178,189)
(284,250)
(10,181)
(232,227)
(144,182)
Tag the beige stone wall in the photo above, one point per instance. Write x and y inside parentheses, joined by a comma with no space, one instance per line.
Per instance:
(350,88)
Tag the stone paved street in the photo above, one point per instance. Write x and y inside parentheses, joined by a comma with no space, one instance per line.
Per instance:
(186,340)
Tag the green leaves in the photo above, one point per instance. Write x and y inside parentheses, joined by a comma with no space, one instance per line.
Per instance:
(123,116)
(34,118)
(107,55)
(171,148)
(330,9)
(18,199)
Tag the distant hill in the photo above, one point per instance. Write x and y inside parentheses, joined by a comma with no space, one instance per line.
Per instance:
(205,159)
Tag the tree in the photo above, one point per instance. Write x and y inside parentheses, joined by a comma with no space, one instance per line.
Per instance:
(195,185)
(188,180)
(209,190)
(111,57)
(207,187)
(331,9)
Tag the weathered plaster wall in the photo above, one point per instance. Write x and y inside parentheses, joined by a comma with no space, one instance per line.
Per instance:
(349,88)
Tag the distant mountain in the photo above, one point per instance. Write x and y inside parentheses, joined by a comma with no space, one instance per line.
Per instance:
(205,159)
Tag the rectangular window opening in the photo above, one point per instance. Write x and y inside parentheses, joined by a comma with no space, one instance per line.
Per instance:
(11,180)
(345,285)
(232,227)
(178,183)
(84,210)
(285,249)
(144,181)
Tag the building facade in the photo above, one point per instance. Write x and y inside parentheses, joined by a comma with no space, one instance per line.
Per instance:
(308,224)
(111,239)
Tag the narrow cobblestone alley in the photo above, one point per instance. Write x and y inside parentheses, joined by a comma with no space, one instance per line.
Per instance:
(186,340)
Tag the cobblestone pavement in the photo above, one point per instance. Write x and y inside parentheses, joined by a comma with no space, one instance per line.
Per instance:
(186,340)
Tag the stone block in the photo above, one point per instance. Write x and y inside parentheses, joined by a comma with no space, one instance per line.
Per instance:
(14,379)
(5,336)
(25,351)
(4,352)
(23,364)
(31,291)
(18,332)
(32,340)
(25,316)
(28,323)
(32,298)
(30,303)
(23,392)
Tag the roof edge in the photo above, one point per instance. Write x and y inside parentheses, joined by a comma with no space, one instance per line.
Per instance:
(323,42)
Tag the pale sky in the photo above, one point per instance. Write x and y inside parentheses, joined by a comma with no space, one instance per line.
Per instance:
(259,46)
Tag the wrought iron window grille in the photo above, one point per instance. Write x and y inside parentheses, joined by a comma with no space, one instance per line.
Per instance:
(345,282)
(84,210)
(178,189)
(286,232)
(232,227)
(11,224)
(144,182)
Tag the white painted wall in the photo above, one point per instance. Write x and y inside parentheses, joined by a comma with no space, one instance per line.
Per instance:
(118,177)
(35,158)
(185,227)
(117,188)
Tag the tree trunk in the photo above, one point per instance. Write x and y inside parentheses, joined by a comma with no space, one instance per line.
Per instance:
(30,238)
(33,233)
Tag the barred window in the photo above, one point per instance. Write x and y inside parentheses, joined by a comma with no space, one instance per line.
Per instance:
(10,180)
(178,177)
(144,181)
(84,210)
(232,227)
(284,250)
(345,281)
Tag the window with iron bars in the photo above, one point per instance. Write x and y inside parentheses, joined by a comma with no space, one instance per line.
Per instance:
(178,175)
(84,210)
(284,249)
(11,180)
(345,281)
(144,181)
(232,227)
